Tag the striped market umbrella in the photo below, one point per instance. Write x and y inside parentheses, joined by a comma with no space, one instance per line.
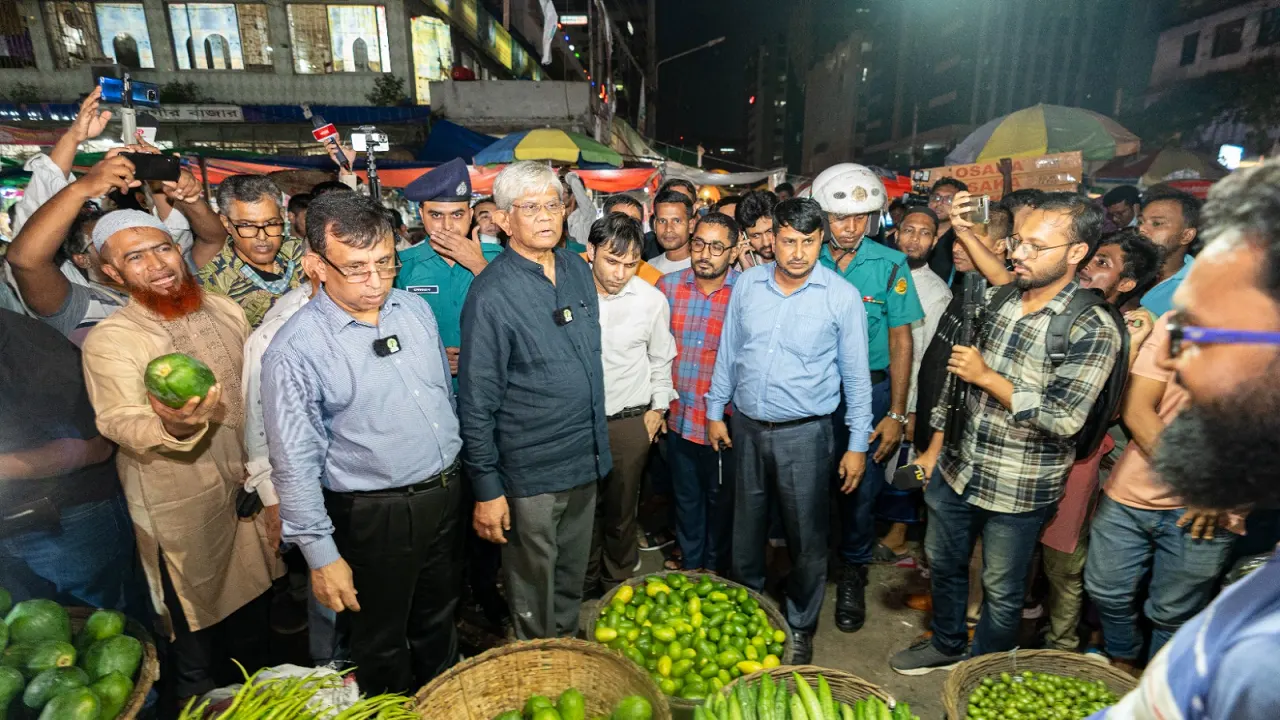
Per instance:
(549,144)
(1044,129)
(1158,166)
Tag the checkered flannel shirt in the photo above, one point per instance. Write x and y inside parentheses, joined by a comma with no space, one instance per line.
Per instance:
(696,322)
(1016,461)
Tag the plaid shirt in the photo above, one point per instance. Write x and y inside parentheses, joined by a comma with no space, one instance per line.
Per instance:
(696,321)
(1017,460)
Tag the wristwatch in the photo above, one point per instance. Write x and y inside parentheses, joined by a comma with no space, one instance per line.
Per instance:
(900,418)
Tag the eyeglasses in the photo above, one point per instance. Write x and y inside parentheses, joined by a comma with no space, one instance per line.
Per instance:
(1179,334)
(355,277)
(530,210)
(941,199)
(1031,251)
(716,249)
(249,230)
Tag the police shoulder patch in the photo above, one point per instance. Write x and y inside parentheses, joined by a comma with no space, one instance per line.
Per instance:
(900,287)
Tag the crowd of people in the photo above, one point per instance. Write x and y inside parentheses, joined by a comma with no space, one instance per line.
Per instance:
(473,412)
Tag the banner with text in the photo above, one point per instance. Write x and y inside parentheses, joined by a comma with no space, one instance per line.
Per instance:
(1050,173)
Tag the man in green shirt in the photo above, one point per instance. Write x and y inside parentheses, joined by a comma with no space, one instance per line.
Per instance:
(441,269)
(853,197)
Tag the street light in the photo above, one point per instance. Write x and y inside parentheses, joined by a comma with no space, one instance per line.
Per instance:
(703,46)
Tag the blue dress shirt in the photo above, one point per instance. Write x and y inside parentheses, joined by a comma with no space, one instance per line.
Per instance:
(785,357)
(339,417)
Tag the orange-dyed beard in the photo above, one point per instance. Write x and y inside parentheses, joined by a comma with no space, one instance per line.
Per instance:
(182,301)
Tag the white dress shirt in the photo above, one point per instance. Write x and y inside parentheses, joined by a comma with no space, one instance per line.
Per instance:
(257,462)
(637,348)
(934,297)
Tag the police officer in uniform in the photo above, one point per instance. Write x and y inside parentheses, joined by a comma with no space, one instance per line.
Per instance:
(440,270)
(853,197)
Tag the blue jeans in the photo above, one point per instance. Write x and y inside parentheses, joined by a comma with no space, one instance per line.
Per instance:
(703,483)
(1125,544)
(1008,544)
(91,562)
(858,509)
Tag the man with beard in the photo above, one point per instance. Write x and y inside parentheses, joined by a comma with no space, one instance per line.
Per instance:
(208,569)
(794,336)
(1170,219)
(940,198)
(754,216)
(1001,478)
(441,270)
(359,411)
(699,299)
(1124,262)
(673,223)
(1220,453)
(852,196)
(297,207)
(637,350)
(255,264)
(531,402)
(73,308)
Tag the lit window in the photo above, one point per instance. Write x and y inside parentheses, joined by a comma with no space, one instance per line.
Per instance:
(339,38)
(90,32)
(15,41)
(220,36)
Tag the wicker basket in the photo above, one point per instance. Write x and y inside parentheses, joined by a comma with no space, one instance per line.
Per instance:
(148,672)
(845,688)
(680,706)
(969,674)
(504,678)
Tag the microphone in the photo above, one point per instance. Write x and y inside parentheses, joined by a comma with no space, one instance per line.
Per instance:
(382,347)
(326,133)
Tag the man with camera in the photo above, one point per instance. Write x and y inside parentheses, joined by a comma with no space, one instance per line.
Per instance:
(1003,475)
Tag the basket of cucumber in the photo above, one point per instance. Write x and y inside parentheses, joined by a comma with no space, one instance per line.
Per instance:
(558,679)
(803,692)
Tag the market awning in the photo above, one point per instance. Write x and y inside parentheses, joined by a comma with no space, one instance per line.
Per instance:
(449,140)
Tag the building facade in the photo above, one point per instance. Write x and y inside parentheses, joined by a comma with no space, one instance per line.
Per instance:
(1221,41)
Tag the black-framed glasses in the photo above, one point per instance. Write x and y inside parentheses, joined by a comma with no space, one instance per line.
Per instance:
(250,230)
(716,249)
(1180,334)
(355,277)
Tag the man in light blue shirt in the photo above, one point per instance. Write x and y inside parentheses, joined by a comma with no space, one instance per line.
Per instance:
(795,334)
(363,434)
(1170,218)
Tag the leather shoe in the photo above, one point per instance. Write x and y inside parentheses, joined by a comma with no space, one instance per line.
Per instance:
(801,647)
(851,598)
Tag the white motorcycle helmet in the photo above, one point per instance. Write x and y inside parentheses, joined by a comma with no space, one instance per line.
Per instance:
(850,189)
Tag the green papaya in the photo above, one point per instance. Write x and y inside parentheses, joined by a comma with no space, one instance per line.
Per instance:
(35,620)
(44,686)
(176,378)
(4,635)
(11,684)
(102,624)
(74,704)
(113,691)
(31,659)
(121,654)
(6,601)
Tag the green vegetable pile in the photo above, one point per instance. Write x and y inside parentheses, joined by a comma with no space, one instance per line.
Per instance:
(768,700)
(39,668)
(693,635)
(295,698)
(573,706)
(1038,696)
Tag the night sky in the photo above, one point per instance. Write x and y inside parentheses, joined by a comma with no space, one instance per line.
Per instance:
(703,96)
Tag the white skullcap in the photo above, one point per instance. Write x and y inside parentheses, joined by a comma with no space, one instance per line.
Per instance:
(114,222)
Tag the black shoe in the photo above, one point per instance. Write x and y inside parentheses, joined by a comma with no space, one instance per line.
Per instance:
(801,647)
(851,598)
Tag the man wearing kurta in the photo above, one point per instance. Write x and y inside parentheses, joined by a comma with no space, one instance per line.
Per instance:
(181,468)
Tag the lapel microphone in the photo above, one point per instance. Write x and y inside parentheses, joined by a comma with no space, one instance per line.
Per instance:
(390,345)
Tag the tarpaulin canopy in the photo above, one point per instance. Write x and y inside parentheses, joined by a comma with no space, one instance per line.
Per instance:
(450,140)
(1163,165)
(1045,129)
(706,177)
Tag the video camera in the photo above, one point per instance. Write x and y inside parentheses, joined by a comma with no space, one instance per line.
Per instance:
(920,187)
(367,138)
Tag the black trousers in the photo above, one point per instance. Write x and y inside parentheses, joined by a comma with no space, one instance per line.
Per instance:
(198,661)
(406,557)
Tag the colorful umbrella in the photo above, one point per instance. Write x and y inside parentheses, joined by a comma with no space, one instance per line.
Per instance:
(1158,166)
(548,144)
(1044,129)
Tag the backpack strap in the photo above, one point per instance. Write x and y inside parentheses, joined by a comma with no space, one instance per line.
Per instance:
(1059,336)
(1002,295)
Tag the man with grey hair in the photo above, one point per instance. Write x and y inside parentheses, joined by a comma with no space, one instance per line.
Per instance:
(531,404)
(181,467)
(260,263)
